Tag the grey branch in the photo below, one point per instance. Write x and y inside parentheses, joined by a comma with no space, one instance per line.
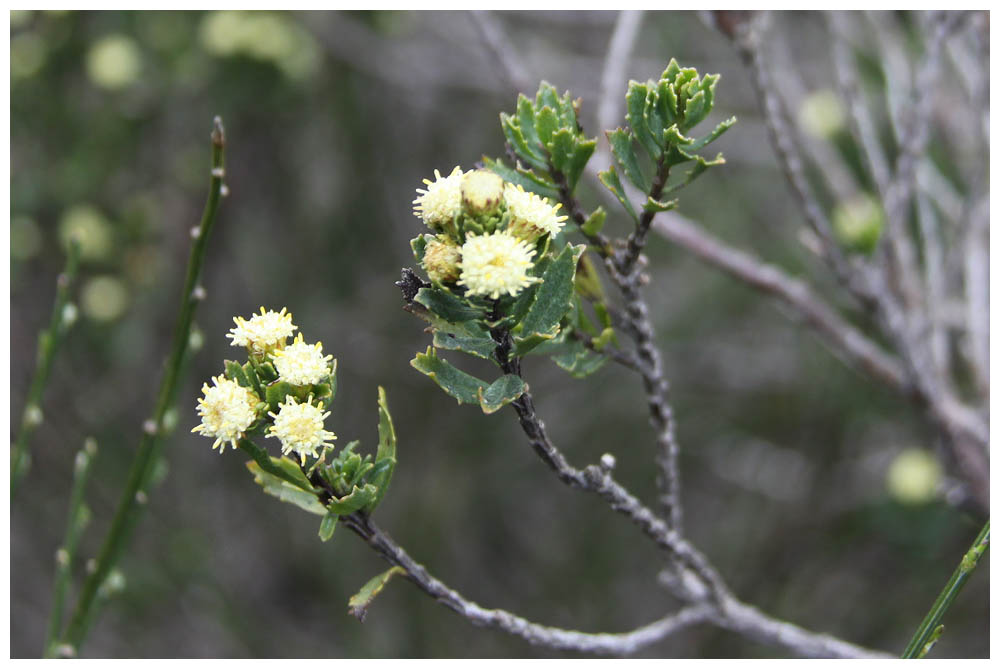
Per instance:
(503,52)
(856,348)
(540,635)
(613,75)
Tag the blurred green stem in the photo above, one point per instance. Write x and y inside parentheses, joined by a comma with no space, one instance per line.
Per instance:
(929,630)
(135,495)
(76,520)
(48,345)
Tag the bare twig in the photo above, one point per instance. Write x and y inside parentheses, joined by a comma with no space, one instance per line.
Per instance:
(780,129)
(845,340)
(539,635)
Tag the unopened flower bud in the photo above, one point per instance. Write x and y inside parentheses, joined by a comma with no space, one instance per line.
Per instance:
(441,259)
(482,192)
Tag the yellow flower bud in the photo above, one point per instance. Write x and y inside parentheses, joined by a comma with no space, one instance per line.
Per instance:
(482,192)
(441,259)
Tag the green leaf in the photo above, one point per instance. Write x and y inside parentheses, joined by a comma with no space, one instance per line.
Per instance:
(419,244)
(463,387)
(327,526)
(285,491)
(712,136)
(234,372)
(613,183)
(656,206)
(358,605)
(267,372)
(578,161)
(700,166)
(666,103)
(526,121)
(276,393)
(654,120)
(385,456)
(358,498)
(547,96)
(553,298)
(448,306)
(515,137)
(282,468)
(561,148)
(578,361)
(695,111)
(635,105)
(501,392)
(594,222)
(621,146)
(481,347)
(546,123)
(251,374)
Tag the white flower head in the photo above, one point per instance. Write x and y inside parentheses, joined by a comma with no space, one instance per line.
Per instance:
(302,364)
(441,201)
(531,216)
(495,264)
(264,332)
(441,258)
(299,427)
(227,410)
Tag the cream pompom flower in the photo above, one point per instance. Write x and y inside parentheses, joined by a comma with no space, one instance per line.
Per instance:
(441,201)
(264,332)
(299,427)
(495,264)
(531,216)
(302,364)
(227,410)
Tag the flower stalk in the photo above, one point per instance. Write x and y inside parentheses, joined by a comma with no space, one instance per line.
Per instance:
(135,494)
(63,315)
(930,628)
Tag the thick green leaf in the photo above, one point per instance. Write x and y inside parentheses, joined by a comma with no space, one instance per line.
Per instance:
(419,245)
(594,222)
(700,166)
(526,121)
(282,468)
(712,136)
(651,114)
(463,387)
(357,499)
(656,206)
(578,161)
(285,491)
(547,96)
(481,347)
(385,456)
(501,392)
(251,374)
(448,306)
(267,373)
(358,605)
(276,394)
(561,147)
(666,103)
(327,526)
(578,361)
(515,137)
(613,183)
(234,372)
(621,146)
(553,298)
(695,111)
(635,106)
(546,123)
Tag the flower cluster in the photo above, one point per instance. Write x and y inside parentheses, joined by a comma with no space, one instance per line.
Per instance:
(282,389)
(487,232)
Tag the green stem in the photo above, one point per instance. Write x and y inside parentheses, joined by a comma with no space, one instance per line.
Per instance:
(929,629)
(76,520)
(134,496)
(48,345)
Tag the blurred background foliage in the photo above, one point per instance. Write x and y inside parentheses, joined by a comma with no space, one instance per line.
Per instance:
(810,487)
